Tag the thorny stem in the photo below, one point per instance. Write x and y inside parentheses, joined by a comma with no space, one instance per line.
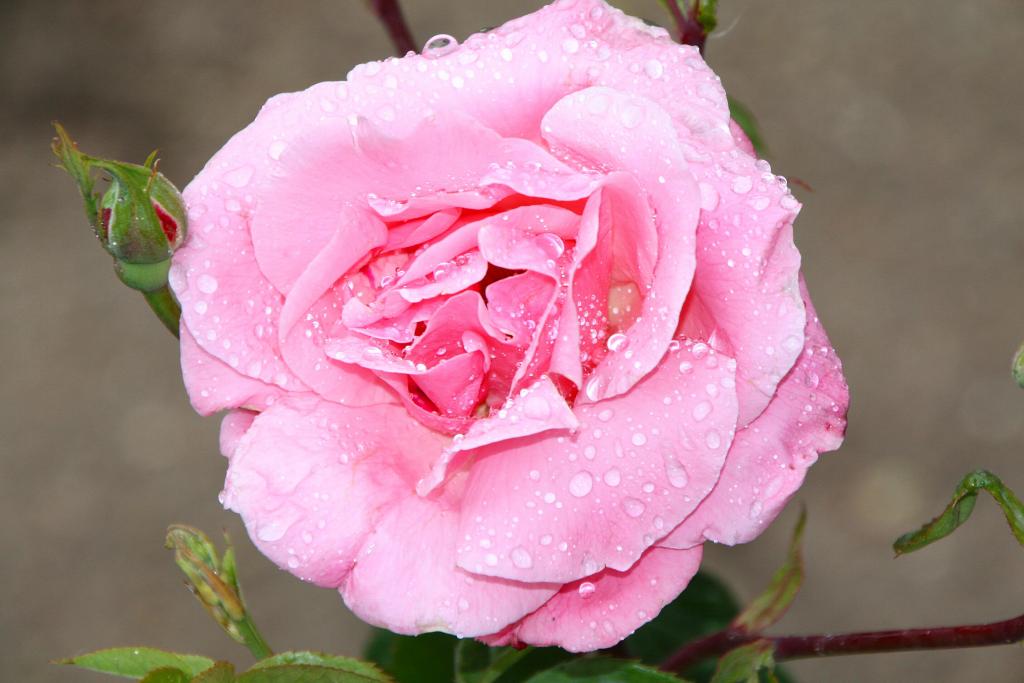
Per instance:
(824,645)
(389,12)
(688,28)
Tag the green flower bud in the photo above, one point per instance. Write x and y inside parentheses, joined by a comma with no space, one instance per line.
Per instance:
(140,219)
(211,580)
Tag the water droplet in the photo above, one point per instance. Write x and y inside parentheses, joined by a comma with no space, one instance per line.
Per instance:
(546,539)
(463,604)
(633,507)
(742,184)
(708,197)
(293,562)
(654,69)
(676,473)
(506,54)
(581,484)
(439,46)
(701,410)
(593,388)
(570,46)
(272,531)
(632,116)
(589,452)
(617,342)
(586,589)
(535,475)
(521,557)
(239,177)
(638,439)
(207,283)
(490,559)
(200,307)
(612,477)
(756,509)
(685,366)
(713,439)
(276,149)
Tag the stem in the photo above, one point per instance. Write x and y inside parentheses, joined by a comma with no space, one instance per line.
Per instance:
(253,640)
(389,12)
(824,645)
(688,28)
(166,308)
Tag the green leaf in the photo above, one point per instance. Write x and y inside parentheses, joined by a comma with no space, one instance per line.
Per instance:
(746,664)
(1018,367)
(348,664)
(601,670)
(136,662)
(475,662)
(707,14)
(221,672)
(307,673)
(769,607)
(959,510)
(166,675)
(745,119)
(704,607)
(428,658)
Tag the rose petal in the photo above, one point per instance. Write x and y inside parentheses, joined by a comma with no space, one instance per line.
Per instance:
(558,508)
(770,456)
(213,386)
(601,610)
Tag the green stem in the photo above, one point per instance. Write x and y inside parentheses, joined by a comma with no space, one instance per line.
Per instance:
(166,308)
(253,640)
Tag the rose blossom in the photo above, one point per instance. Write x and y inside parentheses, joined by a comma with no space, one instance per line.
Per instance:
(506,330)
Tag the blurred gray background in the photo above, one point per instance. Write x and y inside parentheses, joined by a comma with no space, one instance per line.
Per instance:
(904,117)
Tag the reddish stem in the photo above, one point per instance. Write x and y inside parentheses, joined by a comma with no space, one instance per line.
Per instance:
(799,647)
(688,28)
(389,12)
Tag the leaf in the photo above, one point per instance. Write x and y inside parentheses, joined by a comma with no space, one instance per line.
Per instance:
(166,675)
(746,120)
(707,15)
(221,672)
(1018,367)
(768,607)
(136,662)
(602,670)
(306,673)
(959,510)
(704,607)
(475,662)
(746,664)
(347,664)
(428,658)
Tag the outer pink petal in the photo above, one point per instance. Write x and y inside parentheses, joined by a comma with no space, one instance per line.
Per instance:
(606,128)
(405,578)
(601,610)
(769,457)
(558,508)
(232,428)
(746,291)
(212,385)
(311,478)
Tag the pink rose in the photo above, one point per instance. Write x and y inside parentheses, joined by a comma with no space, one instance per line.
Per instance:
(507,330)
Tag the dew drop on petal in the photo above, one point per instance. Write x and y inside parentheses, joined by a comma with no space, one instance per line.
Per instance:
(701,410)
(633,507)
(638,439)
(676,473)
(612,477)
(617,342)
(586,589)
(439,46)
(581,484)
(207,283)
(521,557)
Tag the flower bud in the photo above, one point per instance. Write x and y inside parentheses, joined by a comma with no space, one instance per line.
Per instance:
(212,580)
(140,219)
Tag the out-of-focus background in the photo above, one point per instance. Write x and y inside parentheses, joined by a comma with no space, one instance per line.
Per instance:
(905,118)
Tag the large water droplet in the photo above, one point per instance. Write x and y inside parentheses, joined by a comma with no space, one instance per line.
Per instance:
(581,484)
(638,439)
(521,557)
(612,477)
(676,473)
(617,342)
(207,283)
(633,507)
(272,531)
(586,589)
(713,439)
(701,410)
(439,46)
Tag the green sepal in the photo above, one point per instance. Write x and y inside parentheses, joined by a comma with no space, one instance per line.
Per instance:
(707,15)
(77,166)
(136,662)
(959,511)
(749,663)
(769,606)
(475,662)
